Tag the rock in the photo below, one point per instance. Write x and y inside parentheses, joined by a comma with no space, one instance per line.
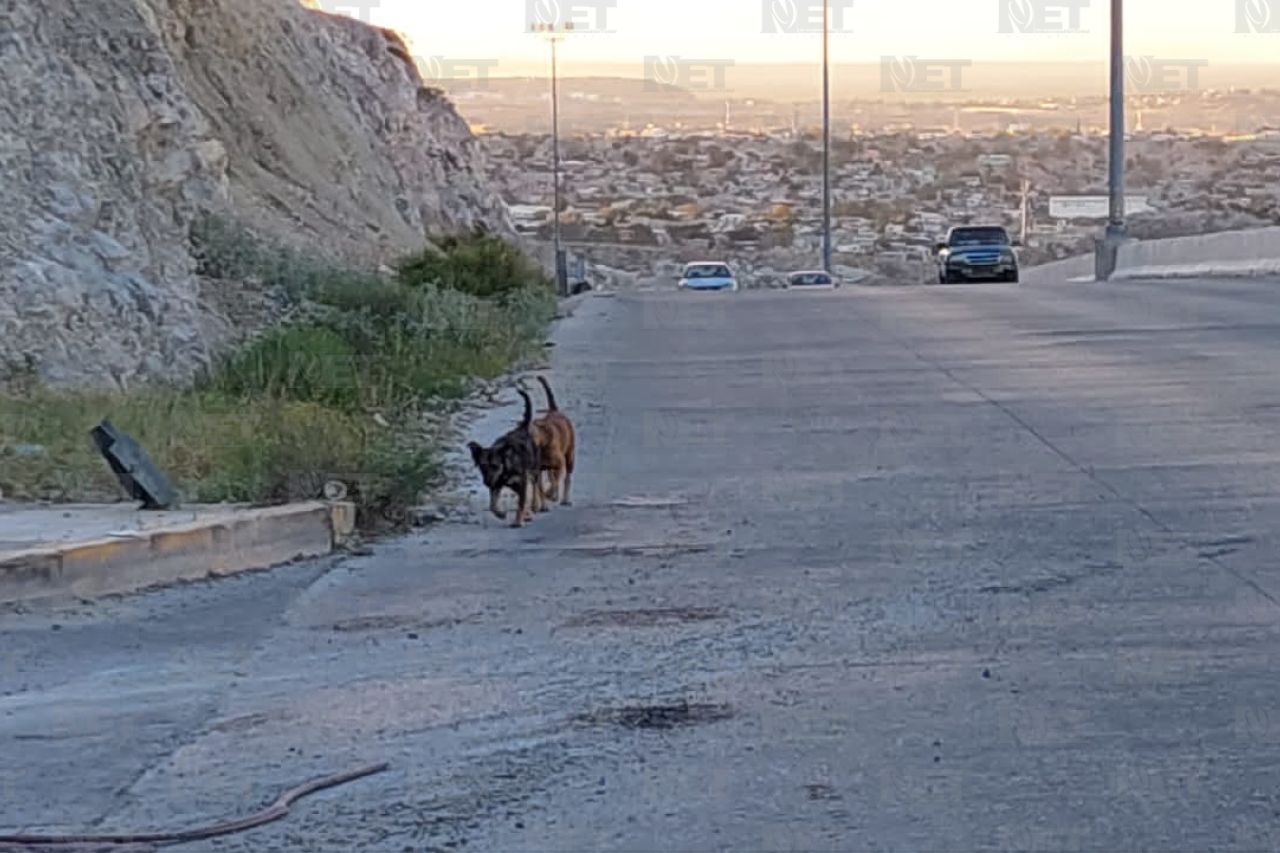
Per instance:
(423,516)
(124,122)
(28,449)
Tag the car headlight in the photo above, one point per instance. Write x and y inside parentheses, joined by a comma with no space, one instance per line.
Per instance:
(1008,256)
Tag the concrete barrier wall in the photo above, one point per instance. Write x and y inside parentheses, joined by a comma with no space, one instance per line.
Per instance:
(1056,271)
(1254,251)
(1232,246)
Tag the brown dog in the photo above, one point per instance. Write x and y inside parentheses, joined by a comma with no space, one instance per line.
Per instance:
(557,442)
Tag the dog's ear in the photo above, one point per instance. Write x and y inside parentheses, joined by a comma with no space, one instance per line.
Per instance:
(476,451)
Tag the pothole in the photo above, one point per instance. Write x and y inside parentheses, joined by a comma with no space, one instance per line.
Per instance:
(646,618)
(657,716)
(820,791)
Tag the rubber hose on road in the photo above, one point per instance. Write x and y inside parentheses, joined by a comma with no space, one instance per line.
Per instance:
(273,812)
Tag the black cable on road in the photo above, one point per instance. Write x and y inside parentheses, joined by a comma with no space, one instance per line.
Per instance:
(273,812)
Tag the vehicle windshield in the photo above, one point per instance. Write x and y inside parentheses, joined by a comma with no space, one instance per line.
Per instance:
(979,237)
(810,278)
(707,271)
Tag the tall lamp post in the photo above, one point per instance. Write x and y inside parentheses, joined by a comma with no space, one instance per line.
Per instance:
(554,33)
(1109,247)
(826,136)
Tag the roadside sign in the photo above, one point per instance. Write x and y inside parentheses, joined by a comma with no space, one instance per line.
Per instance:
(1093,206)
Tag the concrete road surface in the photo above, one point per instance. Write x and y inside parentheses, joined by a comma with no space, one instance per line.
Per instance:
(964,568)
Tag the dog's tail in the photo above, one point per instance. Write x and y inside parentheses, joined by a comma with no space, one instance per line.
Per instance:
(528,410)
(551,397)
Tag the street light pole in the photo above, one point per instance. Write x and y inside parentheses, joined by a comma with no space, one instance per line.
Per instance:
(1115,224)
(826,135)
(1109,248)
(561,278)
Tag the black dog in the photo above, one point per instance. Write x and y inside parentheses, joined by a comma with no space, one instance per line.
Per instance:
(512,463)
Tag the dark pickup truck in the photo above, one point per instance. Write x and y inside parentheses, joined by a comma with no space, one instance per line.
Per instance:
(977,252)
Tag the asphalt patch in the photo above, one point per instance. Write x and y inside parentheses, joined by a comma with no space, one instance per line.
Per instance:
(1051,582)
(389,623)
(660,717)
(636,502)
(80,848)
(246,722)
(648,618)
(661,551)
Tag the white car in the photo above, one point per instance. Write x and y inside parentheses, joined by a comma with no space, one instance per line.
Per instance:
(811,280)
(708,275)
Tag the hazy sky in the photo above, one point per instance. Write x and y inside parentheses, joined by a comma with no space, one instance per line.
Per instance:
(496,31)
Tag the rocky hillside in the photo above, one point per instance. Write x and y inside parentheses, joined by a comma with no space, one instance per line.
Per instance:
(123,122)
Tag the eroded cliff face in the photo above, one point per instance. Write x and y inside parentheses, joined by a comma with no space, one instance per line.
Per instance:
(122,122)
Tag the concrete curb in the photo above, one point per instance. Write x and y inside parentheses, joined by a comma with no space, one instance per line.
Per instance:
(566,306)
(243,541)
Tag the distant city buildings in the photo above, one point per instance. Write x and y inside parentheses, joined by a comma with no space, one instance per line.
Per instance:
(640,199)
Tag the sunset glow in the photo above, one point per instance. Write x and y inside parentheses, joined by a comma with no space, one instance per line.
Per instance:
(735,30)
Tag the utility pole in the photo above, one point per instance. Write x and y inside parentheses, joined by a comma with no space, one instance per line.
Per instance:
(826,135)
(1109,247)
(562,278)
(1026,211)
(554,33)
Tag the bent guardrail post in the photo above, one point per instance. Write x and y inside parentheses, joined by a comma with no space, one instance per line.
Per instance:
(138,475)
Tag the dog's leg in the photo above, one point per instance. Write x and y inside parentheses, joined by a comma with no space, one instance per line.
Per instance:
(541,495)
(522,511)
(570,460)
(535,502)
(495,503)
(540,504)
(555,474)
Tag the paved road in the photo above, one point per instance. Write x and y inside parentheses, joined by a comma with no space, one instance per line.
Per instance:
(920,569)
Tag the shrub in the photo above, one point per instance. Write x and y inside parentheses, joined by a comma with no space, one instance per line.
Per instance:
(481,265)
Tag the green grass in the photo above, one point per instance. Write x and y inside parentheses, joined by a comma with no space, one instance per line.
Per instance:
(218,448)
(336,395)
